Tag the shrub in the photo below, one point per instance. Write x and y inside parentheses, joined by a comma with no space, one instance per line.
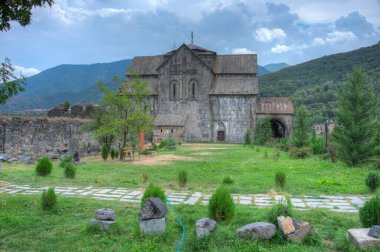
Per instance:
(145,177)
(44,166)
(113,153)
(104,152)
(283,144)
(280,209)
(153,191)
(228,180)
(332,152)
(280,179)
(49,199)
(276,155)
(265,154)
(182,178)
(317,145)
(372,182)
(168,143)
(247,137)
(221,205)
(370,212)
(145,152)
(299,152)
(63,160)
(154,146)
(66,105)
(116,154)
(70,170)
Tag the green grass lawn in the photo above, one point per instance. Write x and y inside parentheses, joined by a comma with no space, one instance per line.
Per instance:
(24,226)
(207,165)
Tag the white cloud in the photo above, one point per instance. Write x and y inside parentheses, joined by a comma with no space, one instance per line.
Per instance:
(242,51)
(280,48)
(266,35)
(24,71)
(333,38)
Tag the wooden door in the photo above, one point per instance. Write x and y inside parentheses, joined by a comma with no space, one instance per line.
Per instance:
(220,136)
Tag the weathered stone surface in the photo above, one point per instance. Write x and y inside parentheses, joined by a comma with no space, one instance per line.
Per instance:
(105,214)
(286,225)
(359,237)
(153,226)
(104,225)
(36,137)
(76,157)
(204,226)
(374,232)
(13,159)
(257,230)
(302,230)
(26,160)
(153,208)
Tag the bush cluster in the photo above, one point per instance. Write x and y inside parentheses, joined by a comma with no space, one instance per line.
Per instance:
(221,205)
(153,191)
(370,213)
(168,143)
(113,153)
(49,199)
(182,178)
(372,182)
(44,166)
(145,177)
(317,145)
(70,170)
(299,152)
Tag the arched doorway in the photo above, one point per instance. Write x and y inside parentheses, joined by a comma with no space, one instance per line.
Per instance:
(278,128)
(221,132)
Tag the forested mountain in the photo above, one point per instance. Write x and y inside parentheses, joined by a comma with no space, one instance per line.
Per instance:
(274,67)
(72,83)
(316,83)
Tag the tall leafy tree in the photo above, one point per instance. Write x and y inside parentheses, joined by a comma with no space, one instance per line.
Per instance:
(263,131)
(10,84)
(19,11)
(301,127)
(356,120)
(125,112)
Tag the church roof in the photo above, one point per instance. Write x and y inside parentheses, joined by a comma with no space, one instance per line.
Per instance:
(145,65)
(235,86)
(275,105)
(236,64)
(169,120)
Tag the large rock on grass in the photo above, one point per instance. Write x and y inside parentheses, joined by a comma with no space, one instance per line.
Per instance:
(374,232)
(152,217)
(302,229)
(257,230)
(286,225)
(359,237)
(105,214)
(204,227)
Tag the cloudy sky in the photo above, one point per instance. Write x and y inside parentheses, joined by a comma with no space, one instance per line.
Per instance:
(92,31)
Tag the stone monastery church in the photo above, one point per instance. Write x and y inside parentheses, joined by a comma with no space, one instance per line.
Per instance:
(197,95)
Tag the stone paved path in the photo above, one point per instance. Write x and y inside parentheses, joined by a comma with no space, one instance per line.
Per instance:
(334,203)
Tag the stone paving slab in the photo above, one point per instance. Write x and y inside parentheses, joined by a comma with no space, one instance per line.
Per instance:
(338,203)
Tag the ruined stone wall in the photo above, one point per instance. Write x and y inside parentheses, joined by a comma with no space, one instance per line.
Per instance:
(232,114)
(27,139)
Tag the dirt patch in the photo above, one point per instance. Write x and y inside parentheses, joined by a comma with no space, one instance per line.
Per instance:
(206,147)
(207,153)
(160,159)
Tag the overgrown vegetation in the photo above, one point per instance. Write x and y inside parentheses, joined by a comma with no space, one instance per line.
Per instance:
(113,153)
(49,199)
(145,177)
(63,160)
(263,134)
(280,209)
(153,191)
(221,205)
(370,212)
(280,179)
(228,180)
(44,166)
(168,143)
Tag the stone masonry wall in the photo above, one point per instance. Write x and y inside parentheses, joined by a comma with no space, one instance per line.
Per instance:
(27,139)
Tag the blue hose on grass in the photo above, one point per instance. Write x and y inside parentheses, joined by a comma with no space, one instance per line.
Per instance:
(180,221)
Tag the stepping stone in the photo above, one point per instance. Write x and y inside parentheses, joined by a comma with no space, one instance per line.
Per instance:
(298,204)
(106,195)
(245,202)
(359,237)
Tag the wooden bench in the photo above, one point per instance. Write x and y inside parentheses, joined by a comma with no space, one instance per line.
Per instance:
(130,152)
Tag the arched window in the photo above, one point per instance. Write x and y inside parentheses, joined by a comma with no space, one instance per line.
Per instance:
(192,90)
(174,90)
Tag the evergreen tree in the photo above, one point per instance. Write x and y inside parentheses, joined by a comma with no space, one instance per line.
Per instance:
(301,127)
(263,131)
(356,118)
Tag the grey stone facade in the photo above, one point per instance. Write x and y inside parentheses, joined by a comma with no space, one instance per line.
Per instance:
(214,95)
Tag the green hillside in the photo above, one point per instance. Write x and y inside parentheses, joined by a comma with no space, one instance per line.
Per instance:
(317,82)
(274,67)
